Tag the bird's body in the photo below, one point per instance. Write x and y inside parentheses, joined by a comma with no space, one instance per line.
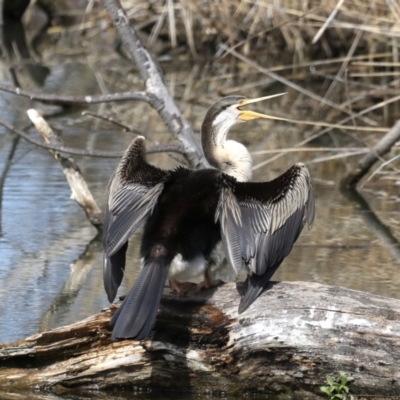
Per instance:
(187,214)
(183,222)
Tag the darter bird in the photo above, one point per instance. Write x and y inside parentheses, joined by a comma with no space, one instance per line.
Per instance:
(188,213)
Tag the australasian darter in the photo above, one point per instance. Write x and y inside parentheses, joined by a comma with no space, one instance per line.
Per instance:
(187,213)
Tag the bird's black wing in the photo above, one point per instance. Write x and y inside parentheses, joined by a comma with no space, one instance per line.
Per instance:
(260,222)
(133,192)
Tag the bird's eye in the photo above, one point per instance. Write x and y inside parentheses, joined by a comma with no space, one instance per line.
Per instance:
(241,103)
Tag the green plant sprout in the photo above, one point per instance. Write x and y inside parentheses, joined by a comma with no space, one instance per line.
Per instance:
(337,389)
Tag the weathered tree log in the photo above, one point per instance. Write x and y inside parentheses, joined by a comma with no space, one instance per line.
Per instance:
(289,339)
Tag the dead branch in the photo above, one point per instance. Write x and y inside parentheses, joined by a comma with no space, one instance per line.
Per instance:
(124,127)
(155,87)
(68,99)
(289,339)
(365,164)
(81,193)
(89,153)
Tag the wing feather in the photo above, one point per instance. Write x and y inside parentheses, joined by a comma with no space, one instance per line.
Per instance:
(271,215)
(229,214)
(132,195)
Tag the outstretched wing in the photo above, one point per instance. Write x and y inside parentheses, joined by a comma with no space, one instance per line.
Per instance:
(133,192)
(261,221)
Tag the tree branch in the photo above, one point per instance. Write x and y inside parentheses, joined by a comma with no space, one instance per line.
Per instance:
(365,164)
(126,128)
(66,99)
(161,100)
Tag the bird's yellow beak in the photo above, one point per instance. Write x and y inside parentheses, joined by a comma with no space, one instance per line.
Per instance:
(247,115)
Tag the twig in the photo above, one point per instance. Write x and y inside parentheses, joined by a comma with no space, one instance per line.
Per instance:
(126,128)
(364,165)
(338,125)
(383,165)
(161,100)
(327,22)
(308,149)
(79,188)
(94,153)
(344,65)
(67,99)
(336,156)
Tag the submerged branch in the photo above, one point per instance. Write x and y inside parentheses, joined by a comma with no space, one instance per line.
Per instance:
(365,164)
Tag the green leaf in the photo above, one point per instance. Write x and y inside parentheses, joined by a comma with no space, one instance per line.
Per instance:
(326,390)
(330,380)
(343,378)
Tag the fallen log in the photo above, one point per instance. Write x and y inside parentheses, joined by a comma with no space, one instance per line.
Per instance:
(288,340)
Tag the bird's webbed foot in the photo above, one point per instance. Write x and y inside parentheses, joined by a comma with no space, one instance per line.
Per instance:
(181,287)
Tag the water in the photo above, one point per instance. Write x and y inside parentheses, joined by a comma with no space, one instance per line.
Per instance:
(51,266)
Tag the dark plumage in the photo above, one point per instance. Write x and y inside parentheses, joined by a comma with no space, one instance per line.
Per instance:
(187,213)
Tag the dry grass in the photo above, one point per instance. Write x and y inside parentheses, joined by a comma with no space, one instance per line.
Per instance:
(252,25)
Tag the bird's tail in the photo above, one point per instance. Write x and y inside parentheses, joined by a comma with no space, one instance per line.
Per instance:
(255,285)
(136,315)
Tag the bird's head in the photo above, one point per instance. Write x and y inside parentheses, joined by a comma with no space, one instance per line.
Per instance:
(230,110)
(229,156)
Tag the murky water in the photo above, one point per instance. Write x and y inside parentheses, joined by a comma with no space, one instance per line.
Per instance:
(51,266)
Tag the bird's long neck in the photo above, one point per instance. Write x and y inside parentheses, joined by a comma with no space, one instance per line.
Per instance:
(228,156)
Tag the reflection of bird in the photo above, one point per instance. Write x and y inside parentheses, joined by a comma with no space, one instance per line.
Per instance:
(187,213)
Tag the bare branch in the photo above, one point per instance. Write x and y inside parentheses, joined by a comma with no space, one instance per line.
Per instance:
(380,149)
(126,128)
(66,99)
(81,193)
(87,153)
(161,100)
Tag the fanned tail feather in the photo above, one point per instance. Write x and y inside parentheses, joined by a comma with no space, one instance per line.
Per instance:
(136,316)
